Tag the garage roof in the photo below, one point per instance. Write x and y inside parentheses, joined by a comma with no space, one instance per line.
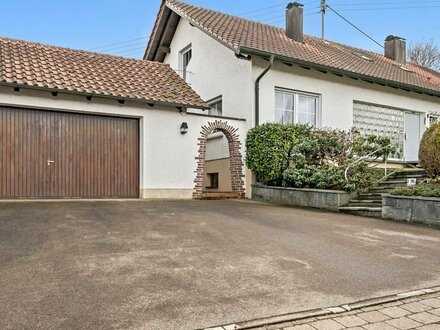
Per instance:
(29,64)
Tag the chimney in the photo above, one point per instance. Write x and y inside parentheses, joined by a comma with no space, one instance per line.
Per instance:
(395,49)
(294,21)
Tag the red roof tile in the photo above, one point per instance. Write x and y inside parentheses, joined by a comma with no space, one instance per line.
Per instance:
(40,66)
(241,34)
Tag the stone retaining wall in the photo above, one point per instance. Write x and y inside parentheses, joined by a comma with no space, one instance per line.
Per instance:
(412,209)
(317,198)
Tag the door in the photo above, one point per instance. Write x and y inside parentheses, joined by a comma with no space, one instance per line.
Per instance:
(48,154)
(412,137)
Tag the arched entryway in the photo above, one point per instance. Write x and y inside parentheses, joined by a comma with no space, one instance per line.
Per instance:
(236,162)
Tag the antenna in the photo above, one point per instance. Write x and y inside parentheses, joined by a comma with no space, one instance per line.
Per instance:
(323,8)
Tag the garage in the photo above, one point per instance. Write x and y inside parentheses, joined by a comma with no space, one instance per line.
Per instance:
(51,154)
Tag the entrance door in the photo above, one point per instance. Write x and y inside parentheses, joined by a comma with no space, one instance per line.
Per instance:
(48,154)
(412,137)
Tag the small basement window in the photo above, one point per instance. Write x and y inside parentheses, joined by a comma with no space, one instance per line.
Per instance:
(212,180)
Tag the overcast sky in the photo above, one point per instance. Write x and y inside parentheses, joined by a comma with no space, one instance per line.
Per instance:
(126,24)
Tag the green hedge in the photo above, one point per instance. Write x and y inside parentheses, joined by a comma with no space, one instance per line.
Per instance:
(301,157)
(423,190)
(429,152)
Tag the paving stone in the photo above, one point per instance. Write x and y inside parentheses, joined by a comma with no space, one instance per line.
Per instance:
(373,316)
(350,321)
(327,325)
(379,326)
(391,304)
(435,311)
(395,311)
(432,302)
(430,327)
(371,308)
(415,307)
(425,318)
(403,323)
(300,327)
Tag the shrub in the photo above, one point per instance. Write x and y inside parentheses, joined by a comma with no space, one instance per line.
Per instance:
(429,152)
(423,190)
(302,157)
(268,149)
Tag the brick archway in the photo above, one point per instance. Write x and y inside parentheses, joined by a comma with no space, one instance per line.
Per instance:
(236,162)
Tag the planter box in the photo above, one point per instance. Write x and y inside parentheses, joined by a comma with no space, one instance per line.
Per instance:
(424,210)
(317,198)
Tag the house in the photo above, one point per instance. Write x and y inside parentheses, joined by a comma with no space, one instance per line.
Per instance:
(76,124)
(263,73)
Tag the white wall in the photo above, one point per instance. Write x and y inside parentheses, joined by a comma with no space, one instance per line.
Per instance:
(167,158)
(215,70)
(337,93)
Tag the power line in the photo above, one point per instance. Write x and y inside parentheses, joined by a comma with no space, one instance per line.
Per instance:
(118,43)
(387,8)
(346,20)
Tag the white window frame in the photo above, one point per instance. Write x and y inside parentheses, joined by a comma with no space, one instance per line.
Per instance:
(214,101)
(182,66)
(296,94)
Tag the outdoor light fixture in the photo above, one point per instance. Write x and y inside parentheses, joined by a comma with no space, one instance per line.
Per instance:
(184,128)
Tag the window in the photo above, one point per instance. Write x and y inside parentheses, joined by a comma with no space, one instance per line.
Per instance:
(432,119)
(216,107)
(292,108)
(213,180)
(186,55)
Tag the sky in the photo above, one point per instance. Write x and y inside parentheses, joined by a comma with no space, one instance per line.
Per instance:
(122,27)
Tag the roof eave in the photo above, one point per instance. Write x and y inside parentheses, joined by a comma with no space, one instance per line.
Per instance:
(391,83)
(104,96)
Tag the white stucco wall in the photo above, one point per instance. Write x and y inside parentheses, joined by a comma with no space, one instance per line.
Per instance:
(215,70)
(167,158)
(337,94)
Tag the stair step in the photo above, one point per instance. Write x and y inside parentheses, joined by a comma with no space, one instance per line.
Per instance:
(371,196)
(381,189)
(374,212)
(365,203)
(219,195)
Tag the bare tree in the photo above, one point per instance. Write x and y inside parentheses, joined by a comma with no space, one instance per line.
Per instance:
(425,53)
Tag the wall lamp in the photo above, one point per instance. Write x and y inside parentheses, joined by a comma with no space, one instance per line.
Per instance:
(184,128)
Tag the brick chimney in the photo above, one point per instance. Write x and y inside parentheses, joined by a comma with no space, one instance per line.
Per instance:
(294,21)
(395,49)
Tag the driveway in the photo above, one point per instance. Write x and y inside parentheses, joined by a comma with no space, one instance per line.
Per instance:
(191,264)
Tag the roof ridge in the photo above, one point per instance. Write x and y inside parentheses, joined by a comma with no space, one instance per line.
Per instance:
(73,50)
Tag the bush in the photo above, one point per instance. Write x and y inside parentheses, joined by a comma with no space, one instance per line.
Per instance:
(423,190)
(302,157)
(268,149)
(429,152)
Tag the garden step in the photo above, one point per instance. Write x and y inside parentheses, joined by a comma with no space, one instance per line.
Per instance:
(380,189)
(374,212)
(375,196)
(365,203)
(219,195)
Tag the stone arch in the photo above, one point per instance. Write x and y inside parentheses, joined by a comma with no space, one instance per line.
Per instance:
(236,162)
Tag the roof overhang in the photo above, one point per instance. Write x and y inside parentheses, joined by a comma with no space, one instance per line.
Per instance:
(370,79)
(105,96)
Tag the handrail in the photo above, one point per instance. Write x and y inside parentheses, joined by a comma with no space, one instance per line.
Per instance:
(365,157)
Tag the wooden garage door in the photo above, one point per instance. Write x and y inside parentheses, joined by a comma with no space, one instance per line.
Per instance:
(46,154)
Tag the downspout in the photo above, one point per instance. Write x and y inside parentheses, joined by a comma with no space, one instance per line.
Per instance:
(257,90)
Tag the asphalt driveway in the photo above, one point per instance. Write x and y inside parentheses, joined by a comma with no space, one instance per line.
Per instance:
(190,264)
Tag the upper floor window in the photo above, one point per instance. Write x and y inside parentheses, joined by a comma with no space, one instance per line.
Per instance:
(216,107)
(185,55)
(296,108)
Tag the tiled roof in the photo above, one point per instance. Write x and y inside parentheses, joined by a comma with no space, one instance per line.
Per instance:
(239,34)
(39,66)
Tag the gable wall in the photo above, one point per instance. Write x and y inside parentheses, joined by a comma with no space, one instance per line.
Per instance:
(215,70)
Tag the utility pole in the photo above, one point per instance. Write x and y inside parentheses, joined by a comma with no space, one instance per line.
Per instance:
(323,8)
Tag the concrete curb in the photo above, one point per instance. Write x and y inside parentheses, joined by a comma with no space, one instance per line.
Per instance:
(266,321)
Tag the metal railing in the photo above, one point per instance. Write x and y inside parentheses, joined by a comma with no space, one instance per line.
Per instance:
(366,157)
